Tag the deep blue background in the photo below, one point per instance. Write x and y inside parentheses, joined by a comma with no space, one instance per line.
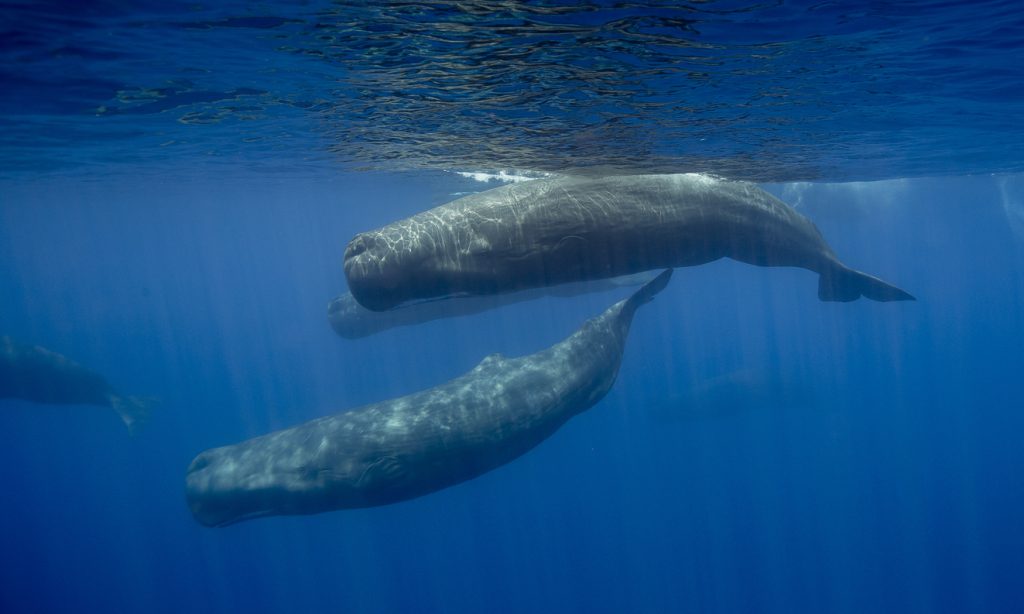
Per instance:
(864,457)
(178,182)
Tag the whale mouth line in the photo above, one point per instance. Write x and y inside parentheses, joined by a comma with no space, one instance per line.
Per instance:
(210,510)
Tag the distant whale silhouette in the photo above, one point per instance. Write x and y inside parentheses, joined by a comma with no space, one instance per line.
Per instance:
(353,321)
(36,374)
(553,231)
(734,392)
(417,444)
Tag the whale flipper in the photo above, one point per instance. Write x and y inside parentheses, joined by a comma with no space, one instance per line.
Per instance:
(845,285)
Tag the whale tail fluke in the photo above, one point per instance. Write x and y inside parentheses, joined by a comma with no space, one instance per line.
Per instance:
(134,411)
(845,285)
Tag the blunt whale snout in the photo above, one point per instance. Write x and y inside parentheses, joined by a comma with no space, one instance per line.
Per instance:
(358,245)
(211,493)
(381,278)
(224,486)
(373,279)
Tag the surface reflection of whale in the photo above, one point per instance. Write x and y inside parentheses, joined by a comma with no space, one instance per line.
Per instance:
(36,374)
(417,444)
(567,229)
(351,320)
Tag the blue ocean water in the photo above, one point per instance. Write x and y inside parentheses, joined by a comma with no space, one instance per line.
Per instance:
(178,183)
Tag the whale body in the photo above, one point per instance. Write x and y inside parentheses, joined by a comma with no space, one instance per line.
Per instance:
(567,229)
(36,374)
(417,444)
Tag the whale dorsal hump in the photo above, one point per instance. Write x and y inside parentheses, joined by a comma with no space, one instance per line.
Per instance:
(490,361)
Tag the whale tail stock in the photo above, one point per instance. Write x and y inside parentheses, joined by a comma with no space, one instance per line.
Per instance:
(845,284)
(646,293)
(134,411)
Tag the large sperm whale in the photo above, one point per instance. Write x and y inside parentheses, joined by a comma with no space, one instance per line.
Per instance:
(417,444)
(566,229)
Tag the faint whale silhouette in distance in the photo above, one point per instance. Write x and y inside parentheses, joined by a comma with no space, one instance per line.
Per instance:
(733,393)
(36,374)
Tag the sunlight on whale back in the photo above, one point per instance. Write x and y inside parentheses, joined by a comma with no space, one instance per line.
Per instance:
(510,175)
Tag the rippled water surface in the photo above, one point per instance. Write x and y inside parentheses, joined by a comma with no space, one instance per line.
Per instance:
(770,91)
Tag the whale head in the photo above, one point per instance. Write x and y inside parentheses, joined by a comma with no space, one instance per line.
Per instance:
(383,274)
(265,476)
